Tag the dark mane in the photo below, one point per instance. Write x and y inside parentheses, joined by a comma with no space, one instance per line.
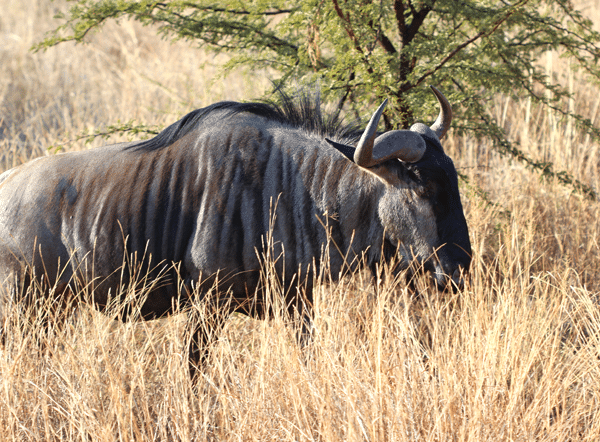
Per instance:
(303,112)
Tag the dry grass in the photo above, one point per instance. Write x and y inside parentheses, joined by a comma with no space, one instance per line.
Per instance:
(513,357)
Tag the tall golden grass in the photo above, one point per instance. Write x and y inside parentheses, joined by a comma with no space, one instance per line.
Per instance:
(515,356)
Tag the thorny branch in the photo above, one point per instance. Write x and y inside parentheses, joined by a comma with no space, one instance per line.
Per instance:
(229,11)
(468,42)
(350,32)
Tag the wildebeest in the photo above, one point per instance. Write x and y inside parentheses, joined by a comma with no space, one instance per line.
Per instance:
(201,195)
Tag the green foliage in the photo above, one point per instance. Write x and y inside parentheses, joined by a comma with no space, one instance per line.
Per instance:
(139,131)
(363,51)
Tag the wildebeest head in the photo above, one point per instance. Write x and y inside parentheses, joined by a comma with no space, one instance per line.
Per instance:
(420,208)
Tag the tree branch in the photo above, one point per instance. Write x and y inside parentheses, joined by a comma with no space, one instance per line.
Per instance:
(399,11)
(418,19)
(466,43)
(229,11)
(351,34)
(348,88)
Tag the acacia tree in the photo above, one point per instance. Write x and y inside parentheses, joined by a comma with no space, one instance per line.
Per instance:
(364,51)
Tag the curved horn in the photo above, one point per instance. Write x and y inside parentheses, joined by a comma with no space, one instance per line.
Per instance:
(404,145)
(442,124)
(363,155)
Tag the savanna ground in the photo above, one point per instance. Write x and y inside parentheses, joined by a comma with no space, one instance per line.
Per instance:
(515,356)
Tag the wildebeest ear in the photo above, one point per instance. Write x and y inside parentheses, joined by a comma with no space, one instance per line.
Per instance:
(348,151)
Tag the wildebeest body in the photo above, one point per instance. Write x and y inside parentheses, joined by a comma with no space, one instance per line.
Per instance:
(207,205)
(204,194)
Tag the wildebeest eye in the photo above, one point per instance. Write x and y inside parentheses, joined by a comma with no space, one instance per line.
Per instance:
(412,174)
(428,190)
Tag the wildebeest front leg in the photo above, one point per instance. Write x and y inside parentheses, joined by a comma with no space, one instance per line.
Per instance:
(300,309)
(206,330)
